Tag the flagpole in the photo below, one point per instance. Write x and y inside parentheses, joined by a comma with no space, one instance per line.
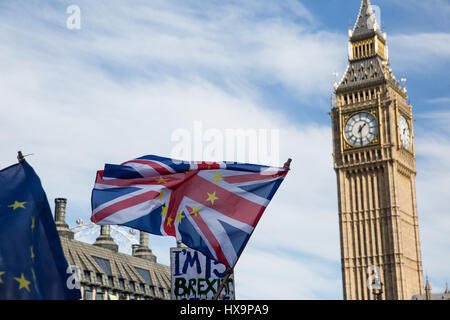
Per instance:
(230,271)
(287,164)
(20,157)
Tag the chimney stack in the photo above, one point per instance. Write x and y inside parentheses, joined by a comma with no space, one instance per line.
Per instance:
(143,251)
(60,219)
(105,240)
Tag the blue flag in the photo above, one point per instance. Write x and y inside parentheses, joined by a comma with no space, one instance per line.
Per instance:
(32,262)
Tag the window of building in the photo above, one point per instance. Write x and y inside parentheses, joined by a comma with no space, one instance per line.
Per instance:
(99,277)
(146,275)
(87,293)
(99,294)
(111,281)
(104,264)
(87,275)
(122,296)
(152,290)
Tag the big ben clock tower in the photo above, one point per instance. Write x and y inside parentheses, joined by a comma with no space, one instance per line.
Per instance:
(375,165)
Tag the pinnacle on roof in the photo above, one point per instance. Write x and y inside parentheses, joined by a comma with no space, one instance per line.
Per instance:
(427,285)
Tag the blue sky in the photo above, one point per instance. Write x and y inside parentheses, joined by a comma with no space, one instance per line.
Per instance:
(134,73)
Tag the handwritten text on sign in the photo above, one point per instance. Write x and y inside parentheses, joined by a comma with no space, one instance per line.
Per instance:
(196,277)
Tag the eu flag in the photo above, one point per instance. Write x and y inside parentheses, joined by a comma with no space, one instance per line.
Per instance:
(32,262)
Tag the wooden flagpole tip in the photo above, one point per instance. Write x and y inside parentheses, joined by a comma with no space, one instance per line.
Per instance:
(223,283)
(20,157)
(287,165)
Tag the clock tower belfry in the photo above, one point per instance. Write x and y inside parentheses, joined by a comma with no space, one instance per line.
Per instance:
(375,165)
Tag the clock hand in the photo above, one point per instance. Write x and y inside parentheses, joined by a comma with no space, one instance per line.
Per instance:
(361,127)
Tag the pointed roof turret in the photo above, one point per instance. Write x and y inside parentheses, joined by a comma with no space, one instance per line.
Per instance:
(366,23)
(427,290)
(368,55)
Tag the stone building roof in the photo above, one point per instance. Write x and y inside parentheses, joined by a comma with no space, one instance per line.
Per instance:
(117,274)
(432,296)
(106,273)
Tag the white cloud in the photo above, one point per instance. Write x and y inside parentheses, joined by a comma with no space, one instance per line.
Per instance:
(435,9)
(440,101)
(276,275)
(423,52)
(230,44)
(433,191)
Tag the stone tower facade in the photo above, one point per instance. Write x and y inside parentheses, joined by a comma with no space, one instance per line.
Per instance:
(375,165)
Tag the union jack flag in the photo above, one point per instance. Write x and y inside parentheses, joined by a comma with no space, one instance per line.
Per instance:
(210,207)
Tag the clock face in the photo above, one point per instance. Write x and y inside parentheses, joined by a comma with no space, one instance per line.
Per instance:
(361,129)
(405,133)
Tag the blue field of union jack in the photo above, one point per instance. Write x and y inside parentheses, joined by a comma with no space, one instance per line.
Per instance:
(211,207)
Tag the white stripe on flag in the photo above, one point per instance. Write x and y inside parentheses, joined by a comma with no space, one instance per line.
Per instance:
(144,170)
(131,213)
(165,166)
(143,189)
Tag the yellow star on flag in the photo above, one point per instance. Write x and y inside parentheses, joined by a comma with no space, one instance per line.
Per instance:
(161,180)
(179,216)
(212,197)
(217,177)
(169,221)
(1,273)
(17,204)
(161,195)
(163,210)
(195,210)
(23,282)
